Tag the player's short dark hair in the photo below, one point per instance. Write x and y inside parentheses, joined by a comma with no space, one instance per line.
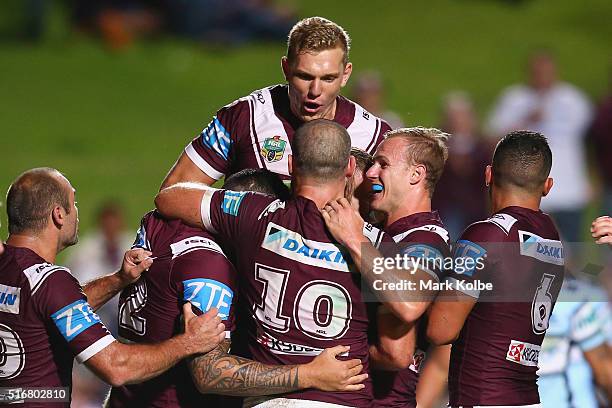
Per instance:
(321,149)
(315,34)
(258,180)
(363,159)
(32,197)
(522,159)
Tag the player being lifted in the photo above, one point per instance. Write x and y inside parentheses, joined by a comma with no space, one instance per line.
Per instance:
(497,333)
(191,266)
(47,319)
(257,131)
(297,281)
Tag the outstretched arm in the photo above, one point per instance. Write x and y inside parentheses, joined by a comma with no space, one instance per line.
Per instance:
(183,201)
(120,364)
(101,290)
(184,170)
(219,372)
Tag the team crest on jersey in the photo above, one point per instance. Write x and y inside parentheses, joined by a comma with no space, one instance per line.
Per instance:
(273,149)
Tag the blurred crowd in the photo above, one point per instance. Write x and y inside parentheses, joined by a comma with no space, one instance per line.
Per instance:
(121,22)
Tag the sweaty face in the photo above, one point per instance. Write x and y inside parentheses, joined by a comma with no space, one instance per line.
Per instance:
(315,80)
(390,172)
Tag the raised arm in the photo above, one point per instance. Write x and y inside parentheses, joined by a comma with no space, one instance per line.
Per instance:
(101,290)
(183,201)
(184,170)
(346,226)
(120,364)
(219,372)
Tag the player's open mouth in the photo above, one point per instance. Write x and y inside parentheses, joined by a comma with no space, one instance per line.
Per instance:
(377,189)
(311,107)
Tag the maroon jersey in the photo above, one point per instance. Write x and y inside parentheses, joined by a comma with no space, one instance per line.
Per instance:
(45,322)
(256,132)
(494,360)
(302,293)
(422,235)
(188,266)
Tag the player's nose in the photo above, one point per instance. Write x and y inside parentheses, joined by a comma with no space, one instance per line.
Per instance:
(314,90)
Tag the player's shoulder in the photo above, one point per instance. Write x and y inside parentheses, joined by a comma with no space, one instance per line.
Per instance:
(496,228)
(362,118)
(39,275)
(236,202)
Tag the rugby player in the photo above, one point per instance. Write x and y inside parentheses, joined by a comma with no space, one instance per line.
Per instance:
(575,354)
(297,280)
(497,331)
(191,266)
(46,319)
(257,131)
(406,168)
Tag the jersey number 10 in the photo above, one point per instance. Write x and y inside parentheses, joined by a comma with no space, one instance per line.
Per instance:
(321,309)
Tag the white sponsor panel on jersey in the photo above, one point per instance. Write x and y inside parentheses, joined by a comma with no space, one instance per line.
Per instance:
(277,346)
(194,243)
(526,354)
(9,299)
(542,249)
(292,245)
(38,273)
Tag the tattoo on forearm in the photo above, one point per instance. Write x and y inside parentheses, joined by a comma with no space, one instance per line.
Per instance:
(222,373)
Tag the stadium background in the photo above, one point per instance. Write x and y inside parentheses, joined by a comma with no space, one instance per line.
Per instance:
(115,122)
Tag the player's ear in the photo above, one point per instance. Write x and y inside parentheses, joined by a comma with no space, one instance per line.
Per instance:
(290,164)
(286,68)
(348,69)
(58,216)
(488,175)
(548,185)
(418,173)
(350,167)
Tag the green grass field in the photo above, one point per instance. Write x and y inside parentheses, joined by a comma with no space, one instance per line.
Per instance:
(115,123)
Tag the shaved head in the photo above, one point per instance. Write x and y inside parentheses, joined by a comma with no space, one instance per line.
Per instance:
(32,197)
(321,150)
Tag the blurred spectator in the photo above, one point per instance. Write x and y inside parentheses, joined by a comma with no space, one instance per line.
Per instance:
(119,22)
(102,251)
(369,92)
(600,138)
(229,22)
(460,195)
(562,113)
(97,253)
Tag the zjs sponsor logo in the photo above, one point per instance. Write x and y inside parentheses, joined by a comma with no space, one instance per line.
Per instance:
(526,354)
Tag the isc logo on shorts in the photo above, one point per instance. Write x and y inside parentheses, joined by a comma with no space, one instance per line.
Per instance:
(523,353)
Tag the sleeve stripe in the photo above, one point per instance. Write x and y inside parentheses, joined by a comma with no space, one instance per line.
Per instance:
(205,210)
(228,334)
(44,278)
(472,293)
(95,348)
(201,163)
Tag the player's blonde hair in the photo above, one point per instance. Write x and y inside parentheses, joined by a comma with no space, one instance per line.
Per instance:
(314,34)
(426,146)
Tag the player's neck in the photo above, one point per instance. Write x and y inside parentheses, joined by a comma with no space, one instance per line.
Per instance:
(320,193)
(408,208)
(508,198)
(37,243)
